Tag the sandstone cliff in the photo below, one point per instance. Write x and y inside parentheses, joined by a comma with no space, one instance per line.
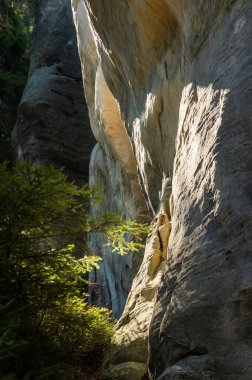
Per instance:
(53,124)
(169,90)
(112,168)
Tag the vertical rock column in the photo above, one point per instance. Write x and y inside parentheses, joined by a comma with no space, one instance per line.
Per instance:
(53,123)
(112,167)
(127,102)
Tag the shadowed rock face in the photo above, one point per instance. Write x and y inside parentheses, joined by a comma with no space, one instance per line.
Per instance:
(53,124)
(179,75)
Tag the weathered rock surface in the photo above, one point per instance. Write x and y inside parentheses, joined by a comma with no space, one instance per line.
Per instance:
(112,168)
(129,370)
(175,77)
(53,124)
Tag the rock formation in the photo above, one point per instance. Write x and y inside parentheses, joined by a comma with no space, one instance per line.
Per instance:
(169,90)
(112,168)
(53,124)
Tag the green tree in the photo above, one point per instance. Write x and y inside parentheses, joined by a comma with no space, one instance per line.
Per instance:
(15,33)
(16,21)
(44,260)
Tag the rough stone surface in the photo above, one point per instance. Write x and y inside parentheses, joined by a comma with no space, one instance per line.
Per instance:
(129,370)
(179,74)
(189,368)
(53,124)
(112,168)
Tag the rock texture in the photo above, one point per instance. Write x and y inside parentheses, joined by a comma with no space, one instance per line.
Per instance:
(169,89)
(53,124)
(112,168)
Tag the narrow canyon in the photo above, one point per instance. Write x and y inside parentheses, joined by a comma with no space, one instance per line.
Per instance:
(167,115)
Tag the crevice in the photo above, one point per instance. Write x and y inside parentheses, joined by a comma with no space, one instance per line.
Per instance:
(160,241)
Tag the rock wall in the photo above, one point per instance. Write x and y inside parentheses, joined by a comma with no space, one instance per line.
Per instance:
(53,124)
(168,86)
(112,168)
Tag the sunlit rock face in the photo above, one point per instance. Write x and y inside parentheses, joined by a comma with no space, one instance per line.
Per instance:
(53,124)
(175,77)
(112,168)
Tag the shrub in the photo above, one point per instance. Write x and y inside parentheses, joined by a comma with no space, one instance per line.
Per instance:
(44,260)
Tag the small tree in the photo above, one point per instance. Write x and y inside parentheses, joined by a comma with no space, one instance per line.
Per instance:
(44,260)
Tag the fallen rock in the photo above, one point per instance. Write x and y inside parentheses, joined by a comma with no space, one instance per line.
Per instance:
(128,370)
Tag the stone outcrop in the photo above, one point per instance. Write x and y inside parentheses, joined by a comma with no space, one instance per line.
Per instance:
(112,168)
(53,124)
(169,90)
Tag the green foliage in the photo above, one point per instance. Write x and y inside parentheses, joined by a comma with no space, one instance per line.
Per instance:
(14,51)
(44,260)
(16,20)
